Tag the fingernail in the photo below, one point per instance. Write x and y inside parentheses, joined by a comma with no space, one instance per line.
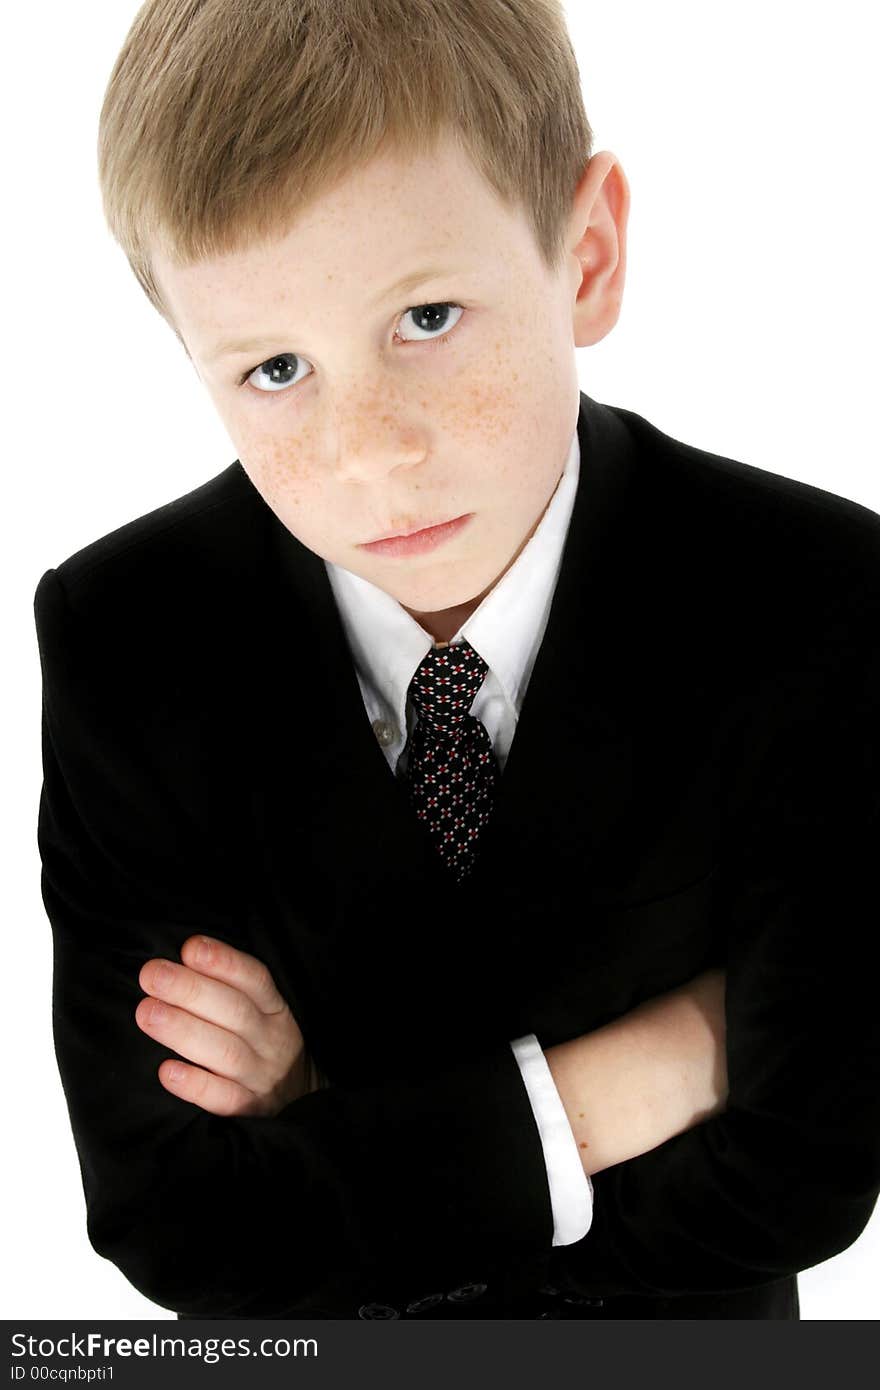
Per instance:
(162,976)
(203,952)
(175,1072)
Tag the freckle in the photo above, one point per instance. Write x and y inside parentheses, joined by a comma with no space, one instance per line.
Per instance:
(584,1145)
(580,1114)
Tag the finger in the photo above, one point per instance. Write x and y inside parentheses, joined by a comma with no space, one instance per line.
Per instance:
(236,968)
(203,997)
(220,1051)
(216,1094)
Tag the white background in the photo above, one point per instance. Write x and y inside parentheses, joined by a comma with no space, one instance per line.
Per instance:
(748,134)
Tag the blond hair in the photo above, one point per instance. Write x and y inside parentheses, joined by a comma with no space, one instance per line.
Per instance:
(222,118)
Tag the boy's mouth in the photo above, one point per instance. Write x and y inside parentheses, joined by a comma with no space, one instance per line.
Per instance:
(411,530)
(418,538)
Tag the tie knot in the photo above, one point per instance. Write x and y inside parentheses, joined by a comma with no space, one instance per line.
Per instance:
(445,686)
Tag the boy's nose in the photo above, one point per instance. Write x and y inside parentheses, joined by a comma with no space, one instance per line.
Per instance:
(366,453)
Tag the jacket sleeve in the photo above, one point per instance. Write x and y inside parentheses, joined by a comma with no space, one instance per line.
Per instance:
(788,1175)
(381,1193)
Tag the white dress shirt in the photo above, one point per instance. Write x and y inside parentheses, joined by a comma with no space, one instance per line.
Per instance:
(506,630)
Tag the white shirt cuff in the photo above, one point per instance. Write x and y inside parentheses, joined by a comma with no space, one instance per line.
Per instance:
(571,1191)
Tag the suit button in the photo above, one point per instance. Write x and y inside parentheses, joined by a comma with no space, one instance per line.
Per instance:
(420,1305)
(551,1313)
(549,1289)
(466,1293)
(377,1310)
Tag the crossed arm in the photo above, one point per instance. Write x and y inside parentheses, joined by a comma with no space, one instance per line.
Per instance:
(626,1087)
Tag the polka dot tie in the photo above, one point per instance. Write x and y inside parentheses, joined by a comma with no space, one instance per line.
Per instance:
(451,772)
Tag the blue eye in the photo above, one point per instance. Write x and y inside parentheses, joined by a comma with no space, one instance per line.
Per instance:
(275,373)
(437,316)
(279,372)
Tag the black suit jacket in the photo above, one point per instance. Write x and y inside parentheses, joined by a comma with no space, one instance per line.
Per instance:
(693,782)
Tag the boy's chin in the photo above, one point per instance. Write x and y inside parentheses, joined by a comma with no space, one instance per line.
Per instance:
(446,611)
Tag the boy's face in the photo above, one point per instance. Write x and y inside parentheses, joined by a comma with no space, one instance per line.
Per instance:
(369,410)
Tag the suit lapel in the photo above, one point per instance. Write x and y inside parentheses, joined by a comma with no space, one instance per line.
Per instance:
(567,776)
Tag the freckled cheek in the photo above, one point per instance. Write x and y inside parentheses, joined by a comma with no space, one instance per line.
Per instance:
(280,467)
(492,404)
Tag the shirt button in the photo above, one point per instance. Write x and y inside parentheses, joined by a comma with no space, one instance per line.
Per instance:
(377,1310)
(385,732)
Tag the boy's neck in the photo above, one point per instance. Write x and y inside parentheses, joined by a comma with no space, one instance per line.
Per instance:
(444,624)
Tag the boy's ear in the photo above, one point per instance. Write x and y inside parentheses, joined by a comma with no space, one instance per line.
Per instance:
(600,210)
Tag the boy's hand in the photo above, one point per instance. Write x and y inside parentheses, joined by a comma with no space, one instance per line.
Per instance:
(221,1009)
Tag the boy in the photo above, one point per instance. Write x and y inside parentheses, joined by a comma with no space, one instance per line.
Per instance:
(532,852)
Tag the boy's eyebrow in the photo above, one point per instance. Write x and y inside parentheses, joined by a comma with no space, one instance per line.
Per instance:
(405,283)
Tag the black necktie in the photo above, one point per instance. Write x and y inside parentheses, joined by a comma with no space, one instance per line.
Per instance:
(451,769)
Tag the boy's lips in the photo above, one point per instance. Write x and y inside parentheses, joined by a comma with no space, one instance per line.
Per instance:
(418,540)
(411,530)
